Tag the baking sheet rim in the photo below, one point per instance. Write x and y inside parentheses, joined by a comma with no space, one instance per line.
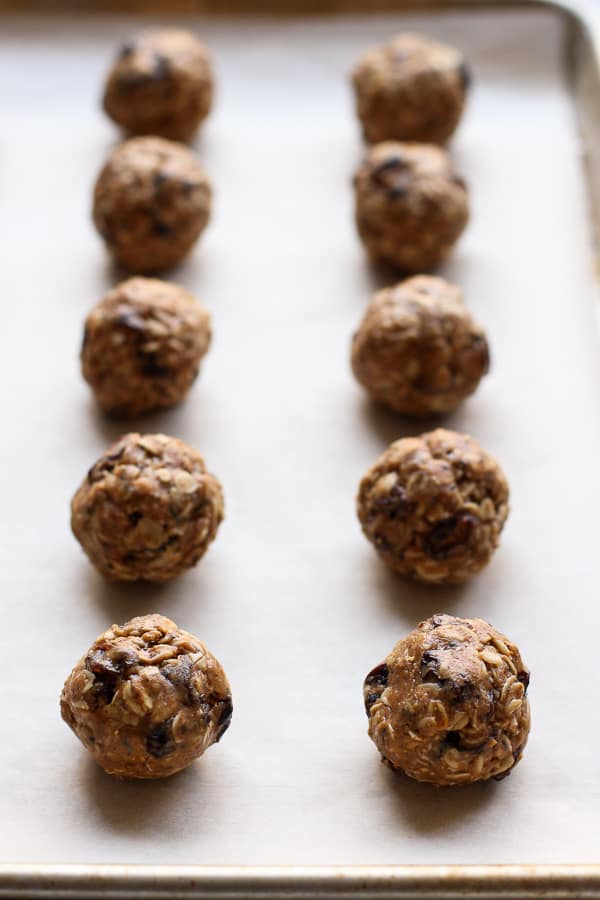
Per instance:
(254,882)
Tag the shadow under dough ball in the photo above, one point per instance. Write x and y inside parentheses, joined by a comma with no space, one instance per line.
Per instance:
(411,206)
(147,510)
(448,705)
(434,506)
(142,346)
(152,201)
(161,83)
(418,350)
(410,89)
(147,699)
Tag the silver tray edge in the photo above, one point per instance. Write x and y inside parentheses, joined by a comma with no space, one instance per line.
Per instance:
(554,882)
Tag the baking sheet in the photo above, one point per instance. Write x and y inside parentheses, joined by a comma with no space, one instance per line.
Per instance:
(291,598)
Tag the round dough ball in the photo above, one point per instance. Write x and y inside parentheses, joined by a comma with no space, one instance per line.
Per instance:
(147,510)
(434,506)
(449,704)
(151,203)
(410,89)
(142,346)
(411,206)
(418,349)
(161,83)
(147,699)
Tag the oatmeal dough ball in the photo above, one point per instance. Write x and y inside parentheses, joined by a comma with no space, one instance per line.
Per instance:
(147,510)
(410,89)
(449,704)
(434,506)
(147,699)
(142,346)
(418,349)
(151,203)
(411,206)
(161,83)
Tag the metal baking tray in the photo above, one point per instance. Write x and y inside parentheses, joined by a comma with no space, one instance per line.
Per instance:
(294,802)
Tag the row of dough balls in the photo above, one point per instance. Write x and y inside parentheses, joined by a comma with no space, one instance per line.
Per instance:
(411,204)
(149,698)
(152,201)
(409,89)
(417,349)
(433,507)
(447,706)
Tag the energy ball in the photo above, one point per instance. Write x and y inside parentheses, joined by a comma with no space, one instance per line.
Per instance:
(161,83)
(147,510)
(151,202)
(410,89)
(147,699)
(434,506)
(418,350)
(142,346)
(411,206)
(448,705)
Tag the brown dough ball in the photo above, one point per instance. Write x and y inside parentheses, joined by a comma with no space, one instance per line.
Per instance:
(147,510)
(434,506)
(410,89)
(151,203)
(142,346)
(147,699)
(161,83)
(418,349)
(448,705)
(411,206)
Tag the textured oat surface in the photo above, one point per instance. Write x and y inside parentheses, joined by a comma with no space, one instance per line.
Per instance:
(448,704)
(434,506)
(418,348)
(411,205)
(142,346)
(152,200)
(410,89)
(147,510)
(160,84)
(147,699)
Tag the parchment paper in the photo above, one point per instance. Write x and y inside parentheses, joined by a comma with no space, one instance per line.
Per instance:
(291,597)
